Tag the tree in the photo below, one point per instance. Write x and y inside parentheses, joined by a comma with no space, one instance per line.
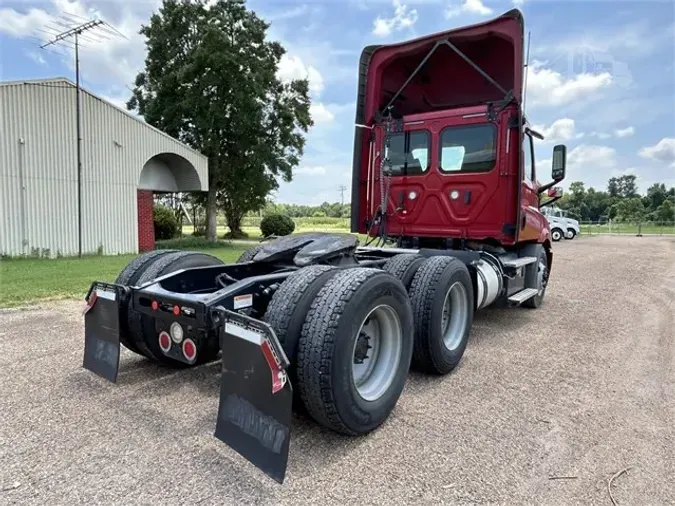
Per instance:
(613,187)
(665,213)
(576,201)
(656,195)
(630,209)
(210,80)
(627,186)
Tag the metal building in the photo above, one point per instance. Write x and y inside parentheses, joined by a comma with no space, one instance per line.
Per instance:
(124,160)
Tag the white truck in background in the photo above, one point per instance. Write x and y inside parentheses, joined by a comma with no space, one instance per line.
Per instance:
(561,224)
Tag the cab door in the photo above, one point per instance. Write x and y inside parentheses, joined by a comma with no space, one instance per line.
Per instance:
(532,222)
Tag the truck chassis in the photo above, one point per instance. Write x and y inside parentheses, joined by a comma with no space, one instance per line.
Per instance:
(316,312)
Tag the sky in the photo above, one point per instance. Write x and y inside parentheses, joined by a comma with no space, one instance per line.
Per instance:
(601,77)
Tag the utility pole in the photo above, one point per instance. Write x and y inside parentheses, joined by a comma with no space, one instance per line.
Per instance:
(342,188)
(62,37)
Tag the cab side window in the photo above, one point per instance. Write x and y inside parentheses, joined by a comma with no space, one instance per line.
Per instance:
(528,159)
(409,152)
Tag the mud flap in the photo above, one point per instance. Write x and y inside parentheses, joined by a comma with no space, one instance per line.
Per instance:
(102,331)
(254,415)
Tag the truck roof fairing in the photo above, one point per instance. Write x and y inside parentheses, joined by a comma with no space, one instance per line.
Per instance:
(445,78)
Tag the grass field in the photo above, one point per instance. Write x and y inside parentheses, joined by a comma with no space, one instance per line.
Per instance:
(26,280)
(626,228)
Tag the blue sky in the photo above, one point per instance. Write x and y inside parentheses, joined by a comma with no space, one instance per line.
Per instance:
(601,80)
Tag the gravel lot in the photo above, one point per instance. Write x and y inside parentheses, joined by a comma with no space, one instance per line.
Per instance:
(581,388)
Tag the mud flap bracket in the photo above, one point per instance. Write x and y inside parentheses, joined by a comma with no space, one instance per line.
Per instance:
(255,410)
(102,329)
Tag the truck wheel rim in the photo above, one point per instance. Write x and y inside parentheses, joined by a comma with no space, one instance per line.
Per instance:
(455,316)
(556,235)
(377,352)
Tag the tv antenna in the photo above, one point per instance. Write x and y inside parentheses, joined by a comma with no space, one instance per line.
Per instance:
(78,28)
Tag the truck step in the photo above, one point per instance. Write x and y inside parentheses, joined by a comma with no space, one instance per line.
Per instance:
(519,262)
(523,295)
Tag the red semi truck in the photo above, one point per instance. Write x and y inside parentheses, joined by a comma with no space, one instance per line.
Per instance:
(446,188)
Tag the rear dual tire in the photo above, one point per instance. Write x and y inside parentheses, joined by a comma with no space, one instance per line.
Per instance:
(318,314)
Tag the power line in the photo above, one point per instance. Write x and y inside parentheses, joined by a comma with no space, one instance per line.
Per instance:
(73,33)
(342,189)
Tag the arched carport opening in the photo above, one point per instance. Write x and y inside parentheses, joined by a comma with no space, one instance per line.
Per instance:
(162,173)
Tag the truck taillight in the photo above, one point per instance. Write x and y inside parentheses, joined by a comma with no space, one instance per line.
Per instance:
(164,341)
(189,350)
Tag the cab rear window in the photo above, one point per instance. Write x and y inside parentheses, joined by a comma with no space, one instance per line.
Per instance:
(409,153)
(468,148)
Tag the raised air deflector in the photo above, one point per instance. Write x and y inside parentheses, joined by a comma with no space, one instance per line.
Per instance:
(465,66)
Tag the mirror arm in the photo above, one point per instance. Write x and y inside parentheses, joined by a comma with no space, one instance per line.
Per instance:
(545,187)
(549,202)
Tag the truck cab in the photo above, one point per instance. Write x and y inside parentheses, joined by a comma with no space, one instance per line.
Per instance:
(444,155)
(561,223)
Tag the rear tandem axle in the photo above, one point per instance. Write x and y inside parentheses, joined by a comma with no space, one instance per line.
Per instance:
(310,321)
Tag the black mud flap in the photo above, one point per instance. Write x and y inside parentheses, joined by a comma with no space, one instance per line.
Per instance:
(256,397)
(102,330)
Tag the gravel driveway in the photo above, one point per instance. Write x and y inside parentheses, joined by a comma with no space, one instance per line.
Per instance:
(545,407)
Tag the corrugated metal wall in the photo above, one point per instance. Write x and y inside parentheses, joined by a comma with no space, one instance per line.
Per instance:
(38,170)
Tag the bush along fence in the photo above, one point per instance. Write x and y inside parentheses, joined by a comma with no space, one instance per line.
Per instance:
(648,228)
(309,222)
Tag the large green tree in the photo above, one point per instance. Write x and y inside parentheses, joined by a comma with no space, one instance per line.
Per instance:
(210,80)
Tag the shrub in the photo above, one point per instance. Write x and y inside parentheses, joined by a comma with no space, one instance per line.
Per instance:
(166,224)
(276,224)
(239,234)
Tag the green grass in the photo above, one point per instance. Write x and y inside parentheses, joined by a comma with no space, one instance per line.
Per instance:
(27,280)
(627,229)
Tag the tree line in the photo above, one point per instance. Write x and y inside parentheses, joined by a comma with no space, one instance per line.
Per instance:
(621,202)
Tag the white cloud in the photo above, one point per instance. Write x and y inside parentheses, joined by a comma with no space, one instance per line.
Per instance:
(560,130)
(468,7)
(402,18)
(624,132)
(292,67)
(104,58)
(311,171)
(590,163)
(548,87)
(600,135)
(518,3)
(320,113)
(17,24)
(663,151)
(592,157)
(36,57)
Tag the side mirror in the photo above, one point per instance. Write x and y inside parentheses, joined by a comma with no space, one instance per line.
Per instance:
(554,192)
(559,162)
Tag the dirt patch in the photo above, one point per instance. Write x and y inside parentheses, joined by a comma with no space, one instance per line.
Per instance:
(577,390)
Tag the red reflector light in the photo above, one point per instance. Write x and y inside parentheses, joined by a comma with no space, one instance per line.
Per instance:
(164,341)
(189,349)
(155,306)
(90,303)
(278,375)
(176,310)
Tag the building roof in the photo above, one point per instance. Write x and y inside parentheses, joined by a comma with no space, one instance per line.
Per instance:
(57,80)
